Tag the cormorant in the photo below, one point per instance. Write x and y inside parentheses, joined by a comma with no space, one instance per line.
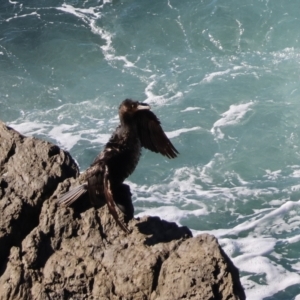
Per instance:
(139,127)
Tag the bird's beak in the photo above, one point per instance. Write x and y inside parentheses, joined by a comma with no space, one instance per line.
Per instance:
(143,106)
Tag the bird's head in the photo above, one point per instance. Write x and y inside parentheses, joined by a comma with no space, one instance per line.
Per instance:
(129,107)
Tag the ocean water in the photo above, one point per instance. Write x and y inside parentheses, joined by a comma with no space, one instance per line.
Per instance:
(222,76)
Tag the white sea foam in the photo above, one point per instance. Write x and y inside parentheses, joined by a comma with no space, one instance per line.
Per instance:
(90,16)
(65,135)
(191,109)
(23,16)
(29,127)
(212,39)
(152,98)
(178,132)
(234,71)
(211,76)
(285,54)
(260,220)
(271,277)
(82,13)
(296,174)
(231,117)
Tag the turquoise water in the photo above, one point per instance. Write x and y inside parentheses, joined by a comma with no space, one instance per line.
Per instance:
(223,77)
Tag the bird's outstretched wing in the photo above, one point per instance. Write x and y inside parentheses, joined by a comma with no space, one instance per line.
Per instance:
(152,135)
(110,200)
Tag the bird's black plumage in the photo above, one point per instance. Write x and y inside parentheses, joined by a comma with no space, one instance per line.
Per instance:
(139,127)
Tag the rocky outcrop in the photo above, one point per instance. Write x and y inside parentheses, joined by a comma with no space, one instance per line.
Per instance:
(51,252)
(30,170)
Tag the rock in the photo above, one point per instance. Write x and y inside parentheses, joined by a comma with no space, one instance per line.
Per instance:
(199,269)
(30,170)
(80,253)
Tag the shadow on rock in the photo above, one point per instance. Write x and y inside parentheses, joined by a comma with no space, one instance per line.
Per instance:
(162,231)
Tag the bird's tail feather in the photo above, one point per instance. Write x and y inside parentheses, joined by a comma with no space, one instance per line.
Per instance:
(71,196)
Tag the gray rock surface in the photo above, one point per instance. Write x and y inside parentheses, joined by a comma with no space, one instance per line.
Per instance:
(51,252)
(30,170)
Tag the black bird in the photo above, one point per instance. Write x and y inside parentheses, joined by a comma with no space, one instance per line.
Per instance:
(139,127)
